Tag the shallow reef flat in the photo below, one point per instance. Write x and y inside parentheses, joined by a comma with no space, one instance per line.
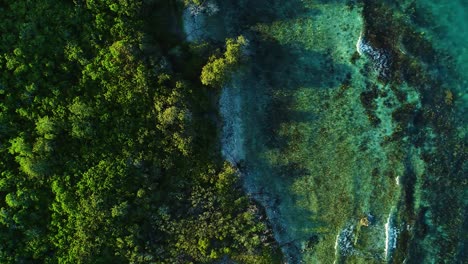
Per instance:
(347,121)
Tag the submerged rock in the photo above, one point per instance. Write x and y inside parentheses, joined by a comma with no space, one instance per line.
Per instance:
(381,59)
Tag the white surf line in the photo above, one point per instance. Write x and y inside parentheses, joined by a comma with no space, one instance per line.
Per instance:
(336,247)
(390,236)
(387,236)
(359,44)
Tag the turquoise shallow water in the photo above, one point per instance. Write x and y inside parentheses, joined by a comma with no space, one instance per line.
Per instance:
(348,122)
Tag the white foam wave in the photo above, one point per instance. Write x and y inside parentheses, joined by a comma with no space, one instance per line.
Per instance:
(379,57)
(390,236)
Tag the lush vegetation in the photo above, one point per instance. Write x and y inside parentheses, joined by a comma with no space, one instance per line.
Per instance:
(218,68)
(108,143)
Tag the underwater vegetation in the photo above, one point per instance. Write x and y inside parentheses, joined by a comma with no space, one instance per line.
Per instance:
(349,133)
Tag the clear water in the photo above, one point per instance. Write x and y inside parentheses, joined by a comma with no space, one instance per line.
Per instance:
(348,121)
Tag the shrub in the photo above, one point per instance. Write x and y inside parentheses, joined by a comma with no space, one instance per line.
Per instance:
(217,70)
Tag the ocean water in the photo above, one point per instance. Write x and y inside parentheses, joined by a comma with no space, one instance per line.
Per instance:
(348,123)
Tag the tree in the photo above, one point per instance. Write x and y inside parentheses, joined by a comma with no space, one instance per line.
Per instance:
(45,126)
(218,69)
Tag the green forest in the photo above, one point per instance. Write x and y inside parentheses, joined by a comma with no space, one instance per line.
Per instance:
(108,139)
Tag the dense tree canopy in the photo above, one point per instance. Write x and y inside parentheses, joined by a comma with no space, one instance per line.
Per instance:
(108,155)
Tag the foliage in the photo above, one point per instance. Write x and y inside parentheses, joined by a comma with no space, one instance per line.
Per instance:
(106,142)
(192,2)
(217,70)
